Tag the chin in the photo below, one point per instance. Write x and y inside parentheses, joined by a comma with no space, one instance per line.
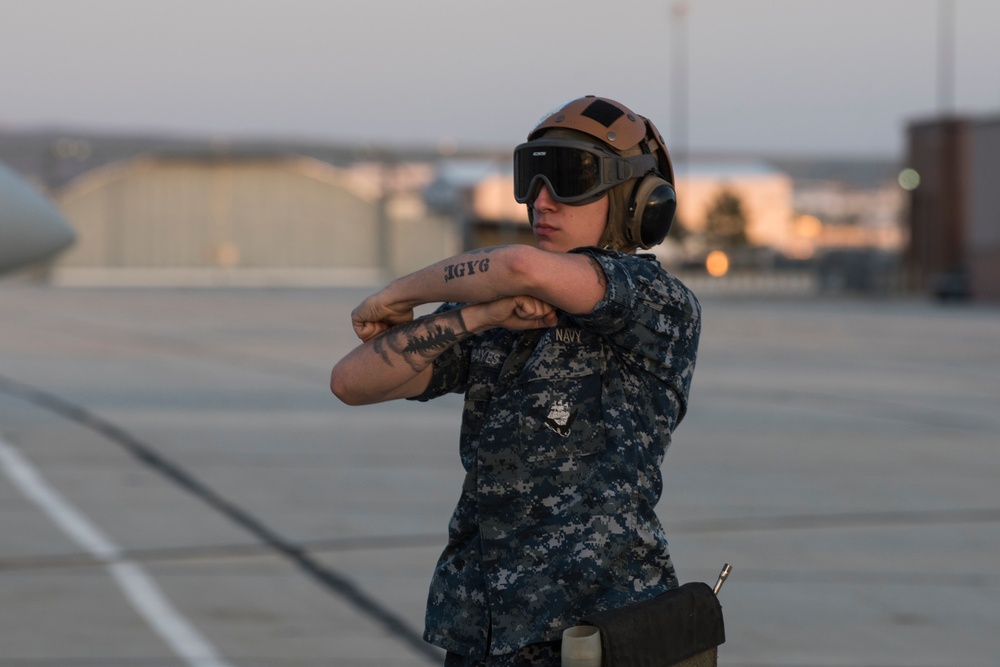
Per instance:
(549,246)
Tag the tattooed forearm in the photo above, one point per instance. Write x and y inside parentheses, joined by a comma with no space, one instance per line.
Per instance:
(435,339)
(466,268)
(601,278)
(422,340)
(381,349)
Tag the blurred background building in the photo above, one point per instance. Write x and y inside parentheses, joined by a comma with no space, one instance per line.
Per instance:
(159,211)
(954,208)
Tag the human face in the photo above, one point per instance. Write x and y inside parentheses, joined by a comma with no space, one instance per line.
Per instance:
(561,227)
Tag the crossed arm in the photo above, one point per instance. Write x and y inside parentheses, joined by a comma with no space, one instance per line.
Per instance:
(515,287)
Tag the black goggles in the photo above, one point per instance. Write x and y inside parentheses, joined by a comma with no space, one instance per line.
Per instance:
(576,172)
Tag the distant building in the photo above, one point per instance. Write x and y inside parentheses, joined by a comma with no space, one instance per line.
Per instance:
(851,216)
(232,217)
(764,192)
(954,207)
(481,194)
(153,209)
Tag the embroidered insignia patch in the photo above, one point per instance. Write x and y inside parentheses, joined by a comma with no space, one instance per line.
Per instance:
(560,419)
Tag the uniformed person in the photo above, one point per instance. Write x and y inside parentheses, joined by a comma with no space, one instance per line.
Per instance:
(575,358)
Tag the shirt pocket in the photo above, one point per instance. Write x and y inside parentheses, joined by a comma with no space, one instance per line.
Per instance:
(560,415)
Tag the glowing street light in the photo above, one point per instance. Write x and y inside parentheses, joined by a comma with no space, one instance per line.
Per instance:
(909,179)
(717,264)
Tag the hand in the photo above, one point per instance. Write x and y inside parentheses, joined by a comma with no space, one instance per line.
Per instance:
(374,315)
(517,313)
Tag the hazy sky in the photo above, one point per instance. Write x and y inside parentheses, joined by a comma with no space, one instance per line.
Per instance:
(792,76)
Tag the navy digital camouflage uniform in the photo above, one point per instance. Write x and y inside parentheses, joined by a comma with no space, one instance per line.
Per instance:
(562,460)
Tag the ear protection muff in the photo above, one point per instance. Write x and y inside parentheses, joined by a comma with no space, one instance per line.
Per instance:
(653,203)
(651,210)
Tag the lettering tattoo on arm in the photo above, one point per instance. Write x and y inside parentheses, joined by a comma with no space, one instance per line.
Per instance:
(466,268)
(422,340)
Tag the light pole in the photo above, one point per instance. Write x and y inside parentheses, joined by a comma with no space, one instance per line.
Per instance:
(946,57)
(679,117)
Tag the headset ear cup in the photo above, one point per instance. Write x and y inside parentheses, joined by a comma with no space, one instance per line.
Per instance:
(655,206)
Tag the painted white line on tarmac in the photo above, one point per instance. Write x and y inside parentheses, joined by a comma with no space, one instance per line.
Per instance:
(139,588)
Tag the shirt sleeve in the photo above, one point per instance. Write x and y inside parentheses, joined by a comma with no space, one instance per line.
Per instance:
(616,308)
(649,317)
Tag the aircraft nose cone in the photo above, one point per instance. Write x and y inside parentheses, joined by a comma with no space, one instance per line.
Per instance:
(31,228)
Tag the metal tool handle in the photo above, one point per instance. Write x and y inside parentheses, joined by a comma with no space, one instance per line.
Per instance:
(726,569)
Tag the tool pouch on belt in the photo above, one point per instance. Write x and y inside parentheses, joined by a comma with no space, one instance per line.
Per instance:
(682,626)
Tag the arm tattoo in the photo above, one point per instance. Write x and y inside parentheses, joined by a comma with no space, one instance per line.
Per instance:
(601,278)
(422,340)
(438,338)
(466,268)
(380,348)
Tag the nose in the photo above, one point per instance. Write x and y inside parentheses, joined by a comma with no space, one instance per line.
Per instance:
(544,200)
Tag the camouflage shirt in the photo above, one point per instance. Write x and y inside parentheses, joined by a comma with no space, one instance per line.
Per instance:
(562,457)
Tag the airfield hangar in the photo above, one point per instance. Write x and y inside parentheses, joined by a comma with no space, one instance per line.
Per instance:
(221,217)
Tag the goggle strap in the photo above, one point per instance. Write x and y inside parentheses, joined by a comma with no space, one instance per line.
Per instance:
(620,169)
(637,165)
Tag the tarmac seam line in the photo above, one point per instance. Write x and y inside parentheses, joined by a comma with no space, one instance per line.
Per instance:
(333,582)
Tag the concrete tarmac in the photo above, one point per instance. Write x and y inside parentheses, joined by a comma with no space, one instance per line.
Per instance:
(180,488)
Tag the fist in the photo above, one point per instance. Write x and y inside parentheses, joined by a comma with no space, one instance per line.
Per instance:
(374,316)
